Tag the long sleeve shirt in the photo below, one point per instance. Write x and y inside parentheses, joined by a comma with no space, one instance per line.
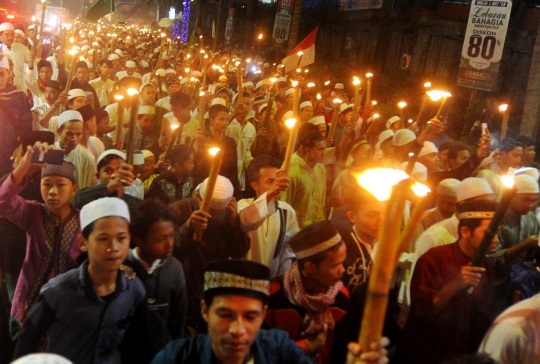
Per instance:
(270,226)
(244,137)
(20,55)
(85,163)
(81,326)
(307,193)
(44,236)
(103,88)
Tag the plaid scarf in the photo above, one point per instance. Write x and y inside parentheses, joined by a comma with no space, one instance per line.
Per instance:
(316,305)
(58,239)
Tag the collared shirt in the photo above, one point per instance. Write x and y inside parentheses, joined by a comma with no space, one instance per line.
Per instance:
(149,268)
(307,193)
(164,102)
(188,130)
(85,163)
(243,136)
(19,55)
(261,220)
(103,89)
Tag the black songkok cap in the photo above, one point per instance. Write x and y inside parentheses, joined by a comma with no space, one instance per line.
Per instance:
(315,239)
(237,277)
(476,210)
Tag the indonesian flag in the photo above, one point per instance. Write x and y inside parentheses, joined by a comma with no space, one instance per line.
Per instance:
(303,54)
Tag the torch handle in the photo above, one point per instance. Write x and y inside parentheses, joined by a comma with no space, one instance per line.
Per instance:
(132,125)
(333,125)
(119,123)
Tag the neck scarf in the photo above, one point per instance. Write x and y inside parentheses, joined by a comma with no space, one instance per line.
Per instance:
(316,305)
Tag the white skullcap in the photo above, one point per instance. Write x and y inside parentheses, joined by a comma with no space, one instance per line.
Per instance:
(473,187)
(4,63)
(146,110)
(116,152)
(31,26)
(138,158)
(339,86)
(218,101)
(222,194)
(103,207)
(113,57)
(165,57)
(526,184)
(69,115)
(76,92)
(259,63)
(42,358)
(170,72)
(304,104)
(403,137)
(266,65)
(223,77)
(385,135)
(146,84)
(119,52)
(533,172)
(6,26)
(184,80)
(428,148)
(259,84)
(262,107)
(392,120)
(248,84)
(282,79)
(130,64)
(84,47)
(289,91)
(419,171)
(317,120)
(196,73)
(448,187)
(146,153)
(20,32)
(344,107)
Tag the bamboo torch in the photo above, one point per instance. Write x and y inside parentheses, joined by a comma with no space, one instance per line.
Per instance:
(202,108)
(130,148)
(295,99)
(212,178)
(240,97)
(369,77)
(293,125)
(504,128)
(34,40)
(120,123)
(333,125)
(43,9)
(74,53)
(436,95)
(401,106)
(356,83)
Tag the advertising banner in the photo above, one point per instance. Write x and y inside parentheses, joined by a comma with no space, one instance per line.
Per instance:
(483,44)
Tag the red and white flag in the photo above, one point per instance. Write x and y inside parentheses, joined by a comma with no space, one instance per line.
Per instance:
(303,54)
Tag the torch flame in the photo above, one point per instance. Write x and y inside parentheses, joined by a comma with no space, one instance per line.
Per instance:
(436,95)
(174,126)
(369,75)
(420,189)
(273,79)
(337,101)
(294,83)
(401,104)
(503,107)
(356,81)
(132,91)
(213,151)
(379,181)
(311,84)
(290,123)
(507,181)
(118,97)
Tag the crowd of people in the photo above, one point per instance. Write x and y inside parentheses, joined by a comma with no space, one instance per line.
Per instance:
(105,193)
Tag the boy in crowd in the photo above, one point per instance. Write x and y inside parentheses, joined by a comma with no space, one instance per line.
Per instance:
(154,231)
(51,228)
(86,311)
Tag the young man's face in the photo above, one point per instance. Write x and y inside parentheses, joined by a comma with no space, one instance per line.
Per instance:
(322,129)
(51,95)
(233,324)
(105,173)
(367,219)
(70,135)
(4,77)
(266,181)
(316,153)
(81,74)
(56,191)
(462,157)
(443,157)
(475,238)
(306,113)
(330,270)
(446,205)
(148,167)
(220,122)
(224,82)
(91,126)
(524,203)
(173,88)
(181,113)
(130,70)
(148,95)
(8,37)
(105,126)
(431,161)
(159,242)
(108,244)
(528,155)
(105,70)
(78,102)
(146,123)
(19,38)
(513,157)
